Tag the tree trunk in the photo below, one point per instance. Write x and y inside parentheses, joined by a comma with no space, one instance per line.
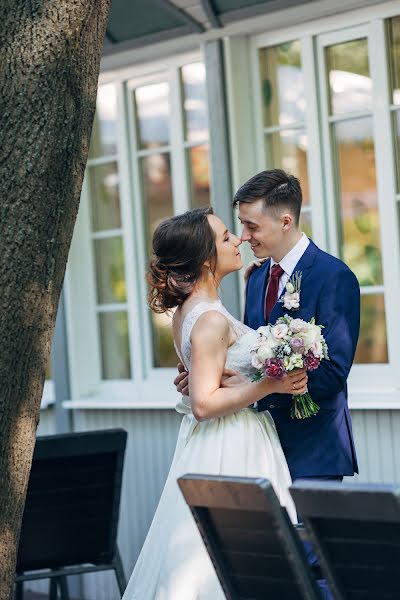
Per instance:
(49,65)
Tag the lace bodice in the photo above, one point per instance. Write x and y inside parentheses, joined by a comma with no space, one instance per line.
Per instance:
(238,356)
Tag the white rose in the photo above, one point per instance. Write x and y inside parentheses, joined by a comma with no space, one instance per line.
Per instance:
(316,349)
(265,351)
(290,287)
(298,325)
(310,336)
(280,331)
(291,300)
(256,362)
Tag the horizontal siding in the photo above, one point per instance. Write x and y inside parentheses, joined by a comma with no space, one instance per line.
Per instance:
(151,442)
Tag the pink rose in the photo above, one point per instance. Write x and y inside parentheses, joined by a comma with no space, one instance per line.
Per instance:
(274,368)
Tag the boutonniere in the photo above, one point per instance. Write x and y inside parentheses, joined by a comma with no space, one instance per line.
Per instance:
(291,298)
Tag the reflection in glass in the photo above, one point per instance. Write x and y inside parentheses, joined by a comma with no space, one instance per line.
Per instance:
(104,197)
(157,190)
(305,223)
(110,275)
(103,141)
(372,343)
(287,150)
(282,84)
(396,117)
(199,176)
(349,80)
(394,61)
(195,103)
(115,356)
(359,215)
(163,347)
(152,107)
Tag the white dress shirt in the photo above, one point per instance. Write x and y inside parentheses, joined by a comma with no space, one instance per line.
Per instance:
(289,261)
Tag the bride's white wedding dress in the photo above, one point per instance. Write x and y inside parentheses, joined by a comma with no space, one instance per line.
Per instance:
(173,563)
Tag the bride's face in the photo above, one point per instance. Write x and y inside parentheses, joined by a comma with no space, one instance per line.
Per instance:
(227,244)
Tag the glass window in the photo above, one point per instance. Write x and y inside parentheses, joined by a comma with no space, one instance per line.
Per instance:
(199,175)
(283,108)
(282,84)
(350,84)
(152,110)
(114,345)
(107,238)
(103,141)
(394,58)
(104,197)
(195,102)
(157,190)
(360,243)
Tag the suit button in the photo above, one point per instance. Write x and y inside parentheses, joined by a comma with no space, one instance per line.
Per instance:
(272,405)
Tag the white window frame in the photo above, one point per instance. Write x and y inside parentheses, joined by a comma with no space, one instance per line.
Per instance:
(149,387)
(370,386)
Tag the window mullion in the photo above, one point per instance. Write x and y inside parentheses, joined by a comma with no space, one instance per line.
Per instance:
(142,350)
(386,180)
(315,159)
(180,188)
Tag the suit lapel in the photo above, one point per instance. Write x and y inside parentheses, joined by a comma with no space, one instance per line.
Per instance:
(304,266)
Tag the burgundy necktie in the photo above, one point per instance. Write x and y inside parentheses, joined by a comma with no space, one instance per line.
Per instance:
(272,293)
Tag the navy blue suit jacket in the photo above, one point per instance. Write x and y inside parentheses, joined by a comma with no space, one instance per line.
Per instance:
(321,445)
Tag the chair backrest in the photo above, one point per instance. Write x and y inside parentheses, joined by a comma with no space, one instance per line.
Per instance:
(254,548)
(72,505)
(355,530)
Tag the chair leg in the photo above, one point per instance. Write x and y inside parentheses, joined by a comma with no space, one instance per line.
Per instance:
(62,581)
(53,588)
(119,572)
(19,590)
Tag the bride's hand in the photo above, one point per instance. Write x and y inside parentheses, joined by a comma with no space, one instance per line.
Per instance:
(251,266)
(295,383)
(231,379)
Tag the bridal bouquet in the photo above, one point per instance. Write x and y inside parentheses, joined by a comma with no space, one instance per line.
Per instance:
(287,345)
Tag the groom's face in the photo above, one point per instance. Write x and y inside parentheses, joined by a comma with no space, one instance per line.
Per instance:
(262,230)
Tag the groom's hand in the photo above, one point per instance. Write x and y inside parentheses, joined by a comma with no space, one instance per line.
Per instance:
(231,378)
(181,381)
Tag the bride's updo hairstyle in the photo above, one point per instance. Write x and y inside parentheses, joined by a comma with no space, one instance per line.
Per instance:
(181,246)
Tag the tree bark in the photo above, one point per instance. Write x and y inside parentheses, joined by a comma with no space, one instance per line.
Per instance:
(49,66)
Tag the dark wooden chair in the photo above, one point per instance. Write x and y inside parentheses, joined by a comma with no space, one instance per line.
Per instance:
(71,514)
(355,530)
(255,549)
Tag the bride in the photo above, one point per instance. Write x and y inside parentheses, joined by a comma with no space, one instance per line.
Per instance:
(220,433)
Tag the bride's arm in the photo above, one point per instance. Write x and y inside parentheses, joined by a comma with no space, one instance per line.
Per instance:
(209,347)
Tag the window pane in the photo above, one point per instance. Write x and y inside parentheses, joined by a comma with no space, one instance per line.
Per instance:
(199,176)
(372,343)
(349,81)
(104,197)
(163,346)
(114,345)
(104,132)
(305,223)
(152,106)
(282,84)
(110,276)
(360,243)
(396,118)
(195,103)
(287,150)
(394,48)
(157,190)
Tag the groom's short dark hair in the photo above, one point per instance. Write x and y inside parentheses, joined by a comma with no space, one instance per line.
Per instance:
(277,188)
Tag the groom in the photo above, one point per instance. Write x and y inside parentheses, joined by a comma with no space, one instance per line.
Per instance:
(269,204)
